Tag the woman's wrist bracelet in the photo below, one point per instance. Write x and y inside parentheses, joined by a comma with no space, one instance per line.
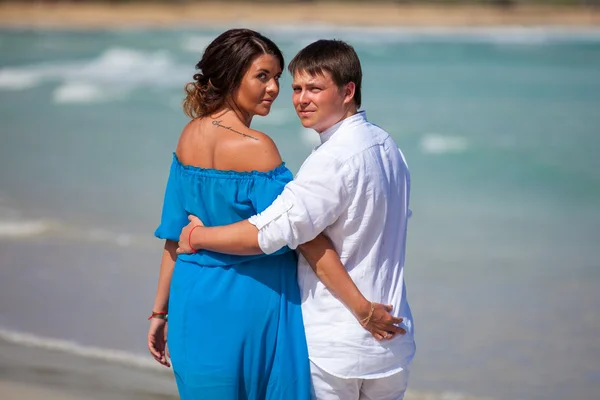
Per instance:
(190,238)
(159,315)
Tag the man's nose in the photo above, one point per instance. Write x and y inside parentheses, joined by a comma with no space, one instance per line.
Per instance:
(303,98)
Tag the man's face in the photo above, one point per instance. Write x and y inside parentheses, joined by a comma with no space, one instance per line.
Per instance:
(318,101)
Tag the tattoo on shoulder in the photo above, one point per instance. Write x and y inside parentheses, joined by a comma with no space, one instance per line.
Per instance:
(218,123)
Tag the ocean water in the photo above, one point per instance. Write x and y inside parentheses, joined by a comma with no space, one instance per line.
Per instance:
(501,130)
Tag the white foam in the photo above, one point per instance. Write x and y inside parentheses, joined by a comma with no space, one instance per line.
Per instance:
(131,67)
(115,72)
(80,92)
(29,76)
(119,239)
(22,229)
(439,144)
(13,226)
(110,355)
(14,79)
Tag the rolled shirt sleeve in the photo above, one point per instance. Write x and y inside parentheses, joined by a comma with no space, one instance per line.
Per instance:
(308,204)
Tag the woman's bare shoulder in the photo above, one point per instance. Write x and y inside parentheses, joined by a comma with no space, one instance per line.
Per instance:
(225,147)
(253,151)
(185,145)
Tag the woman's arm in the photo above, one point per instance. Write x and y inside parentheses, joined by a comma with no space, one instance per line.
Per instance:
(167,264)
(158,327)
(328,267)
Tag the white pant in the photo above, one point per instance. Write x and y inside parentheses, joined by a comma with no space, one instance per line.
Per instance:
(328,387)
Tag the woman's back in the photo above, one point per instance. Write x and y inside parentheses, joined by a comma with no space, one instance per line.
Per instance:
(226,144)
(222,173)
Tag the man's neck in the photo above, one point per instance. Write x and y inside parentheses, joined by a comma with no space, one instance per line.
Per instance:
(350,112)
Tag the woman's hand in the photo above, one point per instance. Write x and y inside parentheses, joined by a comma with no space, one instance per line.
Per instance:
(382,324)
(184,245)
(157,341)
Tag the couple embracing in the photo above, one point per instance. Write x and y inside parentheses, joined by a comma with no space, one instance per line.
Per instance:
(277,287)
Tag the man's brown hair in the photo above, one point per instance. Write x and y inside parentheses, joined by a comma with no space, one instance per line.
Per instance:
(334,56)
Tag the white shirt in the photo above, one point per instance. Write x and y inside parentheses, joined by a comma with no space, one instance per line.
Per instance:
(355,187)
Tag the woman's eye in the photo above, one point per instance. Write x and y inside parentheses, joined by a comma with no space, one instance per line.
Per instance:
(262,75)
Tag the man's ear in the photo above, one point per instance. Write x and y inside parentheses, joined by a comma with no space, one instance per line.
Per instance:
(349,90)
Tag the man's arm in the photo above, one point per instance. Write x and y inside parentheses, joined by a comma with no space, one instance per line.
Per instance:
(307,205)
(328,267)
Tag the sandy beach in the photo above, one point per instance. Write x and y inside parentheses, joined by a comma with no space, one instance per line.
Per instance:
(33,373)
(102,15)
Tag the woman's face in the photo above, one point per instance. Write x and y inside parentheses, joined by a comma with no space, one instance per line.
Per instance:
(259,87)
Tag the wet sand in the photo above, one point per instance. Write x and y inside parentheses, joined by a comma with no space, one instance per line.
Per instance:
(34,373)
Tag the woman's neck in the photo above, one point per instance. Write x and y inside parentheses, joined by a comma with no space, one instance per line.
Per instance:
(231,110)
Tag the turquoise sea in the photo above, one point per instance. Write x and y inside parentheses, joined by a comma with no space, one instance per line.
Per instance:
(501,130)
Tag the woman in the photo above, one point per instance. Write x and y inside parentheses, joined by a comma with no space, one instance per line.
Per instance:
(235,324)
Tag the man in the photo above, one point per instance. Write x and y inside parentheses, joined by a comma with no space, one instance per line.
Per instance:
(355,188)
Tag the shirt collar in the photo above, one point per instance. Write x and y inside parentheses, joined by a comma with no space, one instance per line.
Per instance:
(352,120)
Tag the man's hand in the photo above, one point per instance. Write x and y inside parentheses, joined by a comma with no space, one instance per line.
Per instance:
(184,245)
(382,324)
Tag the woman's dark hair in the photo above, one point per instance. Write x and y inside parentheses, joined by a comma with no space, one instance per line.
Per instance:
(222,67)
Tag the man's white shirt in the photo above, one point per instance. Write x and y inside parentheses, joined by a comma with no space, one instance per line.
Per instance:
(355,188)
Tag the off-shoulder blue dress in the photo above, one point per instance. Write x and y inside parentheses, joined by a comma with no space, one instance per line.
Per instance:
(235,323)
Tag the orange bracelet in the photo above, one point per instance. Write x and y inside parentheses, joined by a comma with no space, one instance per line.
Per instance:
(159,315)
(190,238)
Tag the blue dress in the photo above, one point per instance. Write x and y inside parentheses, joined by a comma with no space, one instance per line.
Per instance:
(235,323)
